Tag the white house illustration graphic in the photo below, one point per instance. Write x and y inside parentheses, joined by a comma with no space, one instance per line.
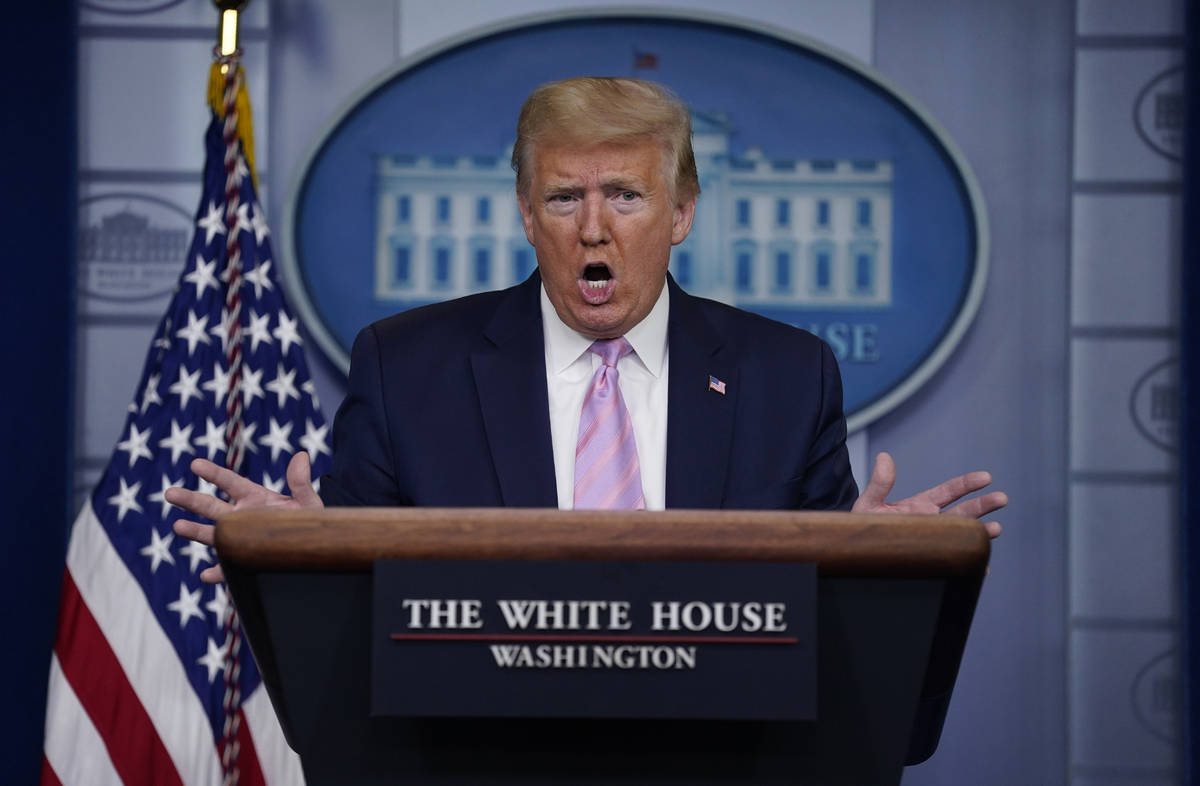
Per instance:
(768,231)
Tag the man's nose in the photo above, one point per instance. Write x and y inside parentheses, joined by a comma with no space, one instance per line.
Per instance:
(593,222)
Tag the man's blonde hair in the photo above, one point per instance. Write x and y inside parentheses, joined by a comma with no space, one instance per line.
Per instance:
(587,111)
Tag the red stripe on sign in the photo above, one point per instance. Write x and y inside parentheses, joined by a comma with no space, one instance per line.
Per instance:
(96,676)
(49,777)
(249,771)
(616,639)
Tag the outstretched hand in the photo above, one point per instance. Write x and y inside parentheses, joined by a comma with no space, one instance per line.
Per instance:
(935,500)
(245,495)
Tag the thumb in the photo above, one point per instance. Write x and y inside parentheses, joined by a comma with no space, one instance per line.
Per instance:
(883,477)
(299,480)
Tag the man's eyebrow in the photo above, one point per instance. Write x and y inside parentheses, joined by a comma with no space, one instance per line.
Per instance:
(561,187)
(623,182)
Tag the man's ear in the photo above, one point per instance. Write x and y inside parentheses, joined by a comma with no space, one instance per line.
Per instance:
(526,217)
(685,213)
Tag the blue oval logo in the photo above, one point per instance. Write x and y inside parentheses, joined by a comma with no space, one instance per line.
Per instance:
(830,200)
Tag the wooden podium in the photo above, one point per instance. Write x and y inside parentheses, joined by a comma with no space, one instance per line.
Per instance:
(895,598)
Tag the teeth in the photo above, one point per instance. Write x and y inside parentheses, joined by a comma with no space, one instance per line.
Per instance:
(598,284)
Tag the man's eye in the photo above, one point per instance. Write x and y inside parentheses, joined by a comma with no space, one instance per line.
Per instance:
(628,196)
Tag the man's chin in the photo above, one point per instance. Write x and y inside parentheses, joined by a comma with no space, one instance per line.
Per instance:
(599,321)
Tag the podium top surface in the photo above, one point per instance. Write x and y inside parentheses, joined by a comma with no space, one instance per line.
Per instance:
(351,539)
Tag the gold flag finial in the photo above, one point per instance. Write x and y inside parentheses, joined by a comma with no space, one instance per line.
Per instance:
(228,28)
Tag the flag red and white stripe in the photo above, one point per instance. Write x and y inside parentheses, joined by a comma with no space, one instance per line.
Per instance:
(137,690)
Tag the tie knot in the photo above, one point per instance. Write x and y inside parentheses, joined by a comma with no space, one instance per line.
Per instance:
(611,350)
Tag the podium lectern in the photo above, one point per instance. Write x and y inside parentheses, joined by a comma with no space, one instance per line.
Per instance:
(895,598)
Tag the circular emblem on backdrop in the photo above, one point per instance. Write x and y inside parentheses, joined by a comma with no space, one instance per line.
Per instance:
(830,200)
(1154,404)
(1155,696)
(131,245)
(130,7)
(1158,113)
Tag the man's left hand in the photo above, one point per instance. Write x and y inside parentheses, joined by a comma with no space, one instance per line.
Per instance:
(935,500)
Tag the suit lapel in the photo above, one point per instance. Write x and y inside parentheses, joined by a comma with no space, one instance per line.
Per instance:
(510,377)
(699,419)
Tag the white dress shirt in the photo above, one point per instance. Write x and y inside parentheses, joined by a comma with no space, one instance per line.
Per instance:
(643,382)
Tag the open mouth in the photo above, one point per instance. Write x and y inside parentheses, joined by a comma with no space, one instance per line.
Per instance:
(597,275)
(597,283)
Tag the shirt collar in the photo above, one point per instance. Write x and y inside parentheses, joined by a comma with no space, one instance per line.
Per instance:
(648,337)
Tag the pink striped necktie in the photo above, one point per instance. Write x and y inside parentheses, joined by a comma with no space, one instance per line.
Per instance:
(607,473)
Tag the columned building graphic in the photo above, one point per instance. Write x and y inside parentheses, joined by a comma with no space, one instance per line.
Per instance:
(768,231)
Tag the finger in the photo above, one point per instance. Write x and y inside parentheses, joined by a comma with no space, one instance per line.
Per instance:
(201,504)
(955,489)
(213,575)
(194,530)
(299,480)
(993,529)
(226,480)
(883,477)
(980,506)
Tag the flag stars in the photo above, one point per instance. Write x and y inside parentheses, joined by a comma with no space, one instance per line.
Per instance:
(219,384)
(160,496)
(150,392)
(311,389)
(125,499)
(245,438)
(314,439)
(240,171)
(202,276)
(204,487)
(251,385)
(213,660)
(283,386)
(221,330)
(135,444)
(259,224)
(213,440)
(159,550)
(219,604)
(271,484)
(260,277)
(212,223)
(286,333)
(179,442)
(258,329)
(243,218)
(187,386)
(277,438)
(186,607)
(196,553)
(194,333)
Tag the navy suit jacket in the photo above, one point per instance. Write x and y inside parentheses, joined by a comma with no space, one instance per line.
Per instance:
(447,407)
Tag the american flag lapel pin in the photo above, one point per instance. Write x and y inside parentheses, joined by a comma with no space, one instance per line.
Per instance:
(716,384)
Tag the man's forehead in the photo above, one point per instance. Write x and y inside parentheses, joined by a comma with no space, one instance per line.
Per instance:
(606,162)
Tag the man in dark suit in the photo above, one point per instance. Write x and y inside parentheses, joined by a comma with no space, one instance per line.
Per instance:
(498,398)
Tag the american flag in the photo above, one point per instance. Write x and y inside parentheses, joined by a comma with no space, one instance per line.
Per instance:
(137,677)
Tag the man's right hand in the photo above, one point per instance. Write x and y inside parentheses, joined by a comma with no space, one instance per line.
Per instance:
(245,495)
